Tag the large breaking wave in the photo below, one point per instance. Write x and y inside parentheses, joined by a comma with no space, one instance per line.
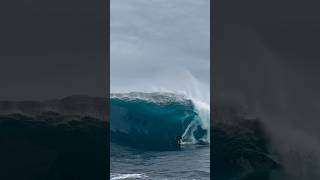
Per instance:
(155,120)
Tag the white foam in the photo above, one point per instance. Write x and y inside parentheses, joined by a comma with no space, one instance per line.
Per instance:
(127,176)
(203,110)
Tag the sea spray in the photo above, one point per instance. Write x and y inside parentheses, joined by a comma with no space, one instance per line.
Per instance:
(203,121)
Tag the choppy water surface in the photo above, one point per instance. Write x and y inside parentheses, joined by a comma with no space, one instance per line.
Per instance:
(187,163)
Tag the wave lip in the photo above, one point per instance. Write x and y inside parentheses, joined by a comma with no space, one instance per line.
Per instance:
(153,120)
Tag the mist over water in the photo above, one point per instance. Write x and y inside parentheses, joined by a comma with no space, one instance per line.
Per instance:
(178,80)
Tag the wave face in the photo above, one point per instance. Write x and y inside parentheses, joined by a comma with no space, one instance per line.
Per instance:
(154,120)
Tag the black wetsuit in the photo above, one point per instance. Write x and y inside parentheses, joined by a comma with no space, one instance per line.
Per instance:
(179,140)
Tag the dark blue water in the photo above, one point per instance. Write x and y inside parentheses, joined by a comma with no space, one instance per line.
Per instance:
(144,130)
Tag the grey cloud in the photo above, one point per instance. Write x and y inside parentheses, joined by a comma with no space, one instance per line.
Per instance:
(149,37)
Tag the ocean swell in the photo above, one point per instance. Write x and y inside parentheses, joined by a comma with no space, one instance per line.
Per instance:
(156,120)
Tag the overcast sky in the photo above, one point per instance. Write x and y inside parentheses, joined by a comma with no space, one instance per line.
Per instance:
(160,44)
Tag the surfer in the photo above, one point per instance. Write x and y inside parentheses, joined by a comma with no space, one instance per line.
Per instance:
(179,141)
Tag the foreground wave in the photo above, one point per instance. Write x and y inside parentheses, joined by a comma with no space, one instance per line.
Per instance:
(54,139)
(52,146)
(155,120)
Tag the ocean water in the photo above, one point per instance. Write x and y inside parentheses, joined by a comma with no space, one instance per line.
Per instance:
(187,163)
(144,130)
